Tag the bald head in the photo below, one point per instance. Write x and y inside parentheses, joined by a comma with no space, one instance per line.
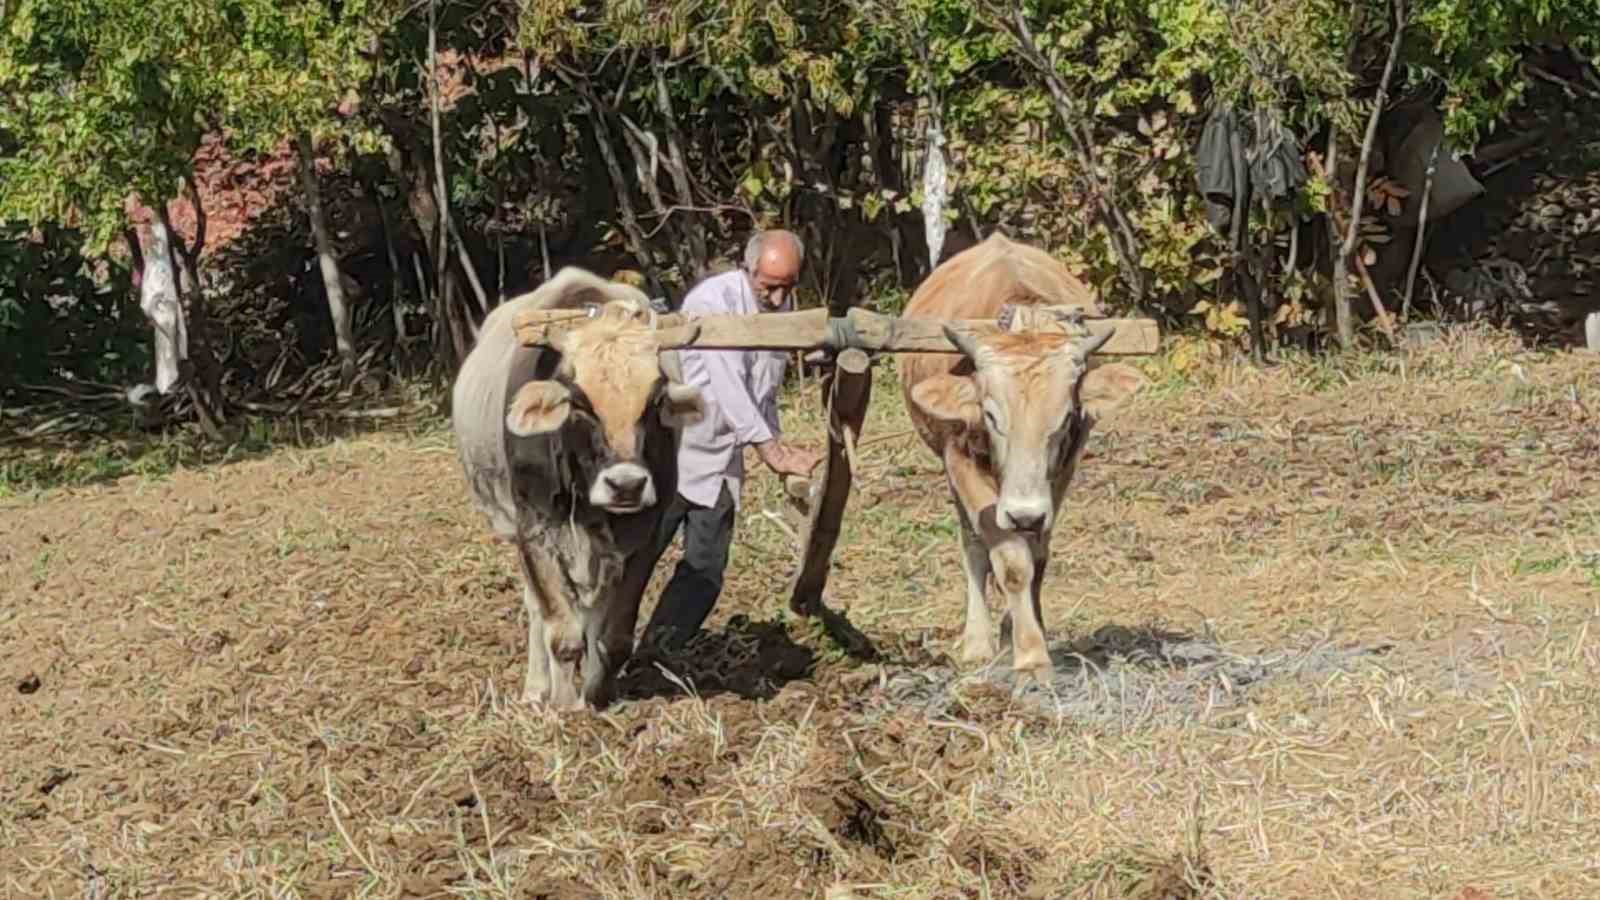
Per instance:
(772,261)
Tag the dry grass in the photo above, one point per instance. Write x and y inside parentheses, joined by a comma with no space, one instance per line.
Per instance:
(1322,631)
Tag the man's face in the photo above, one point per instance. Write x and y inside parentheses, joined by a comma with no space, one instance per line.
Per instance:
(774,278)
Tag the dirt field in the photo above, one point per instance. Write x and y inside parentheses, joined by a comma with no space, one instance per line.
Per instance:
(1321,632)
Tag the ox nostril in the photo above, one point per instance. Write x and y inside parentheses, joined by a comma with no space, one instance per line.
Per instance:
(625,482)
(1026,520)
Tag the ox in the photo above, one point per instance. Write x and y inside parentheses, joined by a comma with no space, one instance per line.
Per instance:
(1009,417)
(567,450)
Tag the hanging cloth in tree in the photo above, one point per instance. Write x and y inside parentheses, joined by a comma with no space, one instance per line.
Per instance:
(1220,167)
(1276,172)
(1226,173)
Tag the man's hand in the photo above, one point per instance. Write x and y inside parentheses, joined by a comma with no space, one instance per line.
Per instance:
(786,460)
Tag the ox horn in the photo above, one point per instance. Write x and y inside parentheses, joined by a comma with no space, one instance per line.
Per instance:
(963,342)
(1091,344)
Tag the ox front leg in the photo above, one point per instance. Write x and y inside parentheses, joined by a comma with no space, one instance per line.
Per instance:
(1017,567)
(978,643)
(609,630)
(536,685)
(974,491)
(555,634)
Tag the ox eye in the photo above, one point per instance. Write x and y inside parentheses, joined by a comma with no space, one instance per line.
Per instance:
(992,420)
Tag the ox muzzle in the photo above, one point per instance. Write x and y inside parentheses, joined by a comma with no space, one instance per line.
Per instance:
(623,488)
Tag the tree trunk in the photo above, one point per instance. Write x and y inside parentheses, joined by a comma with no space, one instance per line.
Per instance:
(396,278)
(158,298)
(499,243)
(440,201)
(453,337)
(343,337)
(880,139)
(678,166)
(1339,271)
(1358,191)
(629,219)
(468,267)
(204,377)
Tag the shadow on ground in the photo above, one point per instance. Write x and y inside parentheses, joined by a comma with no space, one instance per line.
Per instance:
(1133,677)
(1142,676)
(752,660)
(104,455)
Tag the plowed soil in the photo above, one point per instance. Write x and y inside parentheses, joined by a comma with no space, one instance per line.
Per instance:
(1322,631)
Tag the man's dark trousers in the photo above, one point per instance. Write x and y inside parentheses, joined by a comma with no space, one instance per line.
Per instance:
(692,592)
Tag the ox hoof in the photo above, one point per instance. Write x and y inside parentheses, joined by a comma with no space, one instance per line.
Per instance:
(1033,663)
(1022,679)
(975,650)
(541,700)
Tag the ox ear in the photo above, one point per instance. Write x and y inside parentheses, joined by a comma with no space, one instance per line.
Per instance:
(682,405)
(948,398)
(538,407)
(1107,386)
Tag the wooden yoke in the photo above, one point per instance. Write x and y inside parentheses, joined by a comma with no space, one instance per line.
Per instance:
(859,329)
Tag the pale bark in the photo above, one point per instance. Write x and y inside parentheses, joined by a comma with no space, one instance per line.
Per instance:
(933,187)
(338,308)
(469,267)
(1422,234)
(158,298)
(1339,273)
(443,237)
(441,193)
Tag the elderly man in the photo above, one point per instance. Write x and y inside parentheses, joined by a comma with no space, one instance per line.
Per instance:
(741,389)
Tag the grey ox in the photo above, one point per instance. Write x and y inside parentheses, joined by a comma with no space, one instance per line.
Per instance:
(570,452)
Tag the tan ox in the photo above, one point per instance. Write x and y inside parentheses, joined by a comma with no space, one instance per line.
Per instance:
(571,470)
(1009,417)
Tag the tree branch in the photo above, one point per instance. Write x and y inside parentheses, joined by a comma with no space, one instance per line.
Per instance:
(468,266)
(1346,325)
(441,196)
(619,183)
(677,164)
(1422,232)
(327,260)
(1123,240)
(1378,103)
